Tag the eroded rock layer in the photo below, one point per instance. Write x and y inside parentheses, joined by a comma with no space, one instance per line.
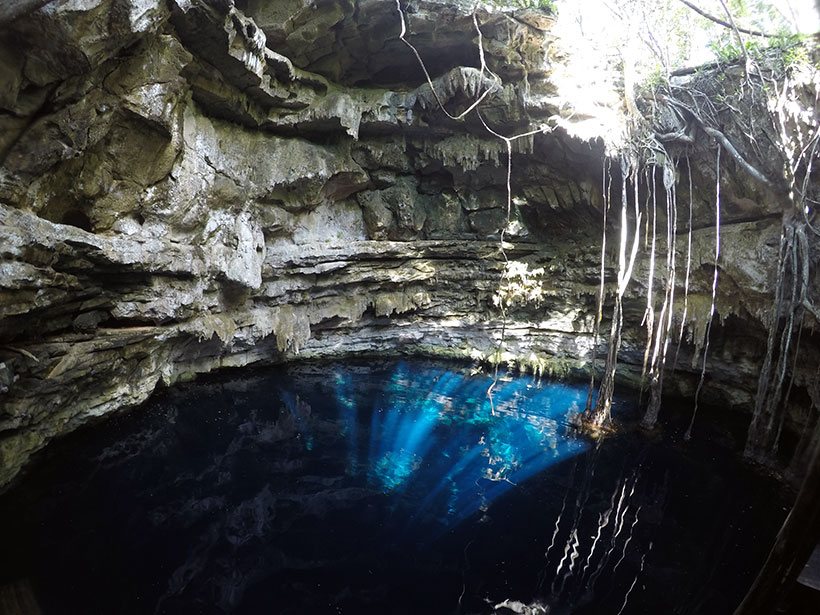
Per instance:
(193,184)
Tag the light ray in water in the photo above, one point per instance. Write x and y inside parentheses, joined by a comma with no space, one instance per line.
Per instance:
(299,411)
(527,433)
(348,417)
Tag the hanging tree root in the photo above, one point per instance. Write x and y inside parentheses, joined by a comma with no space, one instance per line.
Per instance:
(725,24)
(508,141)
(770,407)
(688,271)
(598,420)
(661,341)
(716,134)
(607,186)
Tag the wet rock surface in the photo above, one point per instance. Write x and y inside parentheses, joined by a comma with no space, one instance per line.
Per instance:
(194,184)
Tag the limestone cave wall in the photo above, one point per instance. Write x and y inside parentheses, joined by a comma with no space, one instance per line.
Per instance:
(194,184)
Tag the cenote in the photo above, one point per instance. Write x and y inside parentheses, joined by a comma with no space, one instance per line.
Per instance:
(248,247)
(389,487)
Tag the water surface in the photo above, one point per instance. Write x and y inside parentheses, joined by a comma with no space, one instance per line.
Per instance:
(392,487)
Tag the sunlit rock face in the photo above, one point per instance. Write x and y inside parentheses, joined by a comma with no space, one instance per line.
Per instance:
(194,184)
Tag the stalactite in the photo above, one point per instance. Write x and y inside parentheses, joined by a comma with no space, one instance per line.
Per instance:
(768,419)
(484,68)
(688,434)
(508,141)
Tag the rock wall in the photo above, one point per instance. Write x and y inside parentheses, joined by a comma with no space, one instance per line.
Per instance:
(194,184)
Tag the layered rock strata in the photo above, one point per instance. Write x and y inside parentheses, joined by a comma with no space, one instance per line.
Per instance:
(195,184)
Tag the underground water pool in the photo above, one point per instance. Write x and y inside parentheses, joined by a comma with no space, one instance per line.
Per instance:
(385,487)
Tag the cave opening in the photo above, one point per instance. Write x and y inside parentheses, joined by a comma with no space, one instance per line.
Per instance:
(79,219)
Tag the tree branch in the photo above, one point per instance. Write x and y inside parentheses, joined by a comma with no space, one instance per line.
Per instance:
(691,70)
(676,137)
(725,24)
(727,145)
(739,38)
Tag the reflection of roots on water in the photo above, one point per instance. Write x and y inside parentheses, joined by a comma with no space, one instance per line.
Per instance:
(497,476)
(520,608)
(581,563)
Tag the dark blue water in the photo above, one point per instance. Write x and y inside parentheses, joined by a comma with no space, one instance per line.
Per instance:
(384,488)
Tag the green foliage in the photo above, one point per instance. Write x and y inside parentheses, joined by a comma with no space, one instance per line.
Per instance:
(761,15)
(727,49)
(792,49)
(755,14)
(786,49)
(785,40)
(654,80)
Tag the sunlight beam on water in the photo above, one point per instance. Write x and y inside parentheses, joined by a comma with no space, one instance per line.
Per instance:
(300,414)
(348,417)
(434,436)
